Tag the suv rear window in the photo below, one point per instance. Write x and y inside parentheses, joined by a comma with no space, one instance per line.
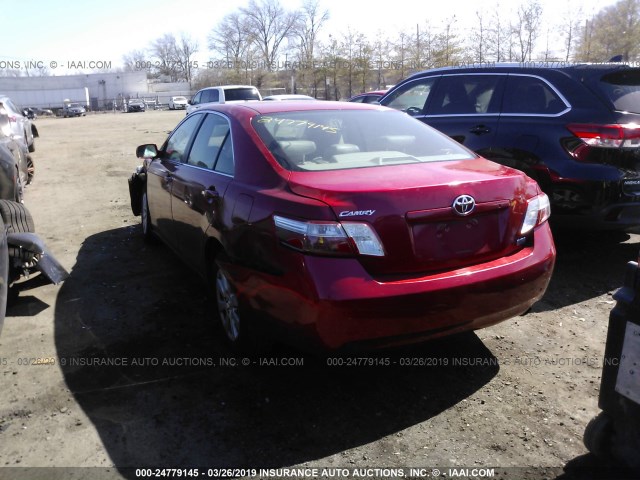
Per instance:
(241,94)
(623,89)
(341,139)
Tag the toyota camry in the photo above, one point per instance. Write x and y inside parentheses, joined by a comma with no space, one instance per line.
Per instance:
(343,225)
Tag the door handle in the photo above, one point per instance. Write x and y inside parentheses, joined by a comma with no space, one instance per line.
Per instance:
(480,129)
(210,193)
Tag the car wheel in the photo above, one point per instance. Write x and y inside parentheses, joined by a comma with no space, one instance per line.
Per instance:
(598,435)
(31,170)
(16,217)
(145,219)
(19,188)
(228,307)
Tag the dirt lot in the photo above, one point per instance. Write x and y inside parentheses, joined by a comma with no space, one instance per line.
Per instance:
(512,397)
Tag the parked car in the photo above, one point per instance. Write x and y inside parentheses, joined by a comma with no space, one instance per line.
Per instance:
(21,127)
(73,110)
(368,97)
(287,97)
(16,164)
(574,129)
(178,103)
(223,94)
(135,105)
(343,224)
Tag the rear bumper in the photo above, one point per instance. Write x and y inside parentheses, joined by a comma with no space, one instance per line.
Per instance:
(333,303)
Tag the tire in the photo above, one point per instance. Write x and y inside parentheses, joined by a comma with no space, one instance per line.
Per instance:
(598,435)
(16,217)
(236,324)
(19,190)
(145,219)
(31,170)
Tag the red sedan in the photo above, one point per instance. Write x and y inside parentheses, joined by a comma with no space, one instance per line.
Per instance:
(343,224)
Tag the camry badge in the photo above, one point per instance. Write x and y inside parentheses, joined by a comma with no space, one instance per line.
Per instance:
(356,213)
(464,205)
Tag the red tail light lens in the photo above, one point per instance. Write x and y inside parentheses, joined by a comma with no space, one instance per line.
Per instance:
(538,212)
(328,238)
(607,136)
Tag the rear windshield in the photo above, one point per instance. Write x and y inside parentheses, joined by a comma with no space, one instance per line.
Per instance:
(241,94)
(320,140)
(623,89)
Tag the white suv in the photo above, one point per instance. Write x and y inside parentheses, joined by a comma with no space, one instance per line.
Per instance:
(223,94)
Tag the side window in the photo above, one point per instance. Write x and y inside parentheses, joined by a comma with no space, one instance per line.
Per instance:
(413,97)
(196,98)
(210,95)
(225,163)
(176,145)
(208,142)
(466,95)
(358,100)
(530,95)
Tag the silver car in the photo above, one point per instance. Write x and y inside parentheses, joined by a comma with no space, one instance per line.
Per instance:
(20,126)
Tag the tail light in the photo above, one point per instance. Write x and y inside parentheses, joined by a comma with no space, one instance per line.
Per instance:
(603,136)
(328,238)
(538,212)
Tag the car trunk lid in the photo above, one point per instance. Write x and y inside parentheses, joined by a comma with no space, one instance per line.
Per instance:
(411,208)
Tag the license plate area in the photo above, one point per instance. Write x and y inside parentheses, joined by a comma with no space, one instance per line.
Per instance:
(462,238)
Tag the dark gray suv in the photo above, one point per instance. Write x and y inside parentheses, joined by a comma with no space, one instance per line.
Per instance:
(574,129)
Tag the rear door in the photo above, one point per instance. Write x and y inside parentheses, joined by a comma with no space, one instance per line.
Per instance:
(532,115)
(467,108)
(199,186)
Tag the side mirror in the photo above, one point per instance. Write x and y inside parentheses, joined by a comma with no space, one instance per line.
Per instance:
(147,151)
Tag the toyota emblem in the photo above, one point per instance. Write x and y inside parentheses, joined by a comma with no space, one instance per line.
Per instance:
(464,205)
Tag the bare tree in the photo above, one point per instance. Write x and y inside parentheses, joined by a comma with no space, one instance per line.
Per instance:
(527,28)
(479,39)
(185,50)
(164,50)
(615,30)
(231,38)
(271,25)
(135,61)
(310,20)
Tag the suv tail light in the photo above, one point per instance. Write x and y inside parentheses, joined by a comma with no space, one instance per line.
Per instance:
(329,238)
(538,212)
(604,136)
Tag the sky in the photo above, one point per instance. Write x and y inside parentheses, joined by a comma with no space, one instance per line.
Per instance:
(61,35)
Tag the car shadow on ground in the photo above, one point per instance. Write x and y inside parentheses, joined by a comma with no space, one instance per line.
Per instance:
(588,264)
(145,363)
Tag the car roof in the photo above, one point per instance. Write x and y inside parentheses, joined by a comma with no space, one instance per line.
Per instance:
(264,108)
(225,87)
(526,67)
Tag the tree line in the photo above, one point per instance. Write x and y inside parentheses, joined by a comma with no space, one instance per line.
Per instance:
(281,50)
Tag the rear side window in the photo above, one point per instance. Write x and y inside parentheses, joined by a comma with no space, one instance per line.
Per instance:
(241,94)
(623,89)
(528,95)
(466,94)
(211,95)
(209,140)
(412,97)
